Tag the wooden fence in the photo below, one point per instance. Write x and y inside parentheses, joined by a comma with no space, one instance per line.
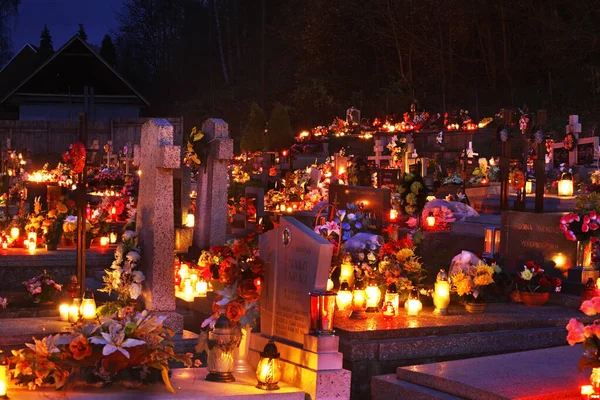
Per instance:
(54,137)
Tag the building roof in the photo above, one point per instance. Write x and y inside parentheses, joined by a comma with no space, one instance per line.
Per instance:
(66,72)
(17,68)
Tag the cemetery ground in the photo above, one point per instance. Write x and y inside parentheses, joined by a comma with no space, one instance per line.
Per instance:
(263,280)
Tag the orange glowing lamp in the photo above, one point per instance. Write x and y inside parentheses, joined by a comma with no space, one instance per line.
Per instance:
(430,220)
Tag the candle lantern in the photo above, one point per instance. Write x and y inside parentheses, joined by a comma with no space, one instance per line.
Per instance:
(595,379)
(73,287)
(188,289)
(565,185)
(88,305)
(222,342)
(373,297)
(322,308)
(441,295)
(282,207)
(63,309)
(113,213)
(393,215)
(391,295)
(344,297)
(492,242)
(430,220)
(74,310)
(359,301)
(190,219)
(347,271)
(104,241)
(528,187)
(14,233)
(329,284)
(268,371)
(113,237)
(388,310)
(32,237)
(413,304)
(201,288)
(4,376)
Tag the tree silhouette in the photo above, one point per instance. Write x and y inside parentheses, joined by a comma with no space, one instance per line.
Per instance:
(46,47)
(82,34)
(279,134)
(8,9)
(108,52)
(254,134)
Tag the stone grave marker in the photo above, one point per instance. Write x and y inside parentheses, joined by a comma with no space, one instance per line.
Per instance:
(315,177)
(388,177)
(158,157)
(375,202)
(586,153)
(536,237)
(298,261)
(255,206)
(560,155)
(211,200)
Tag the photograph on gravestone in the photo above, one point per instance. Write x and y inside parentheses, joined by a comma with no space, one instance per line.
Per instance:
(536,237)
(560,155)
(375,203)
(297,262)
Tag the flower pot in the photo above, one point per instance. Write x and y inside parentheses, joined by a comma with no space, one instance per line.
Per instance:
(475,308)
(534,298)
(51,246)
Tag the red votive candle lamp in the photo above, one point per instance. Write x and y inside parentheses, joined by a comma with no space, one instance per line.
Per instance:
(322,308)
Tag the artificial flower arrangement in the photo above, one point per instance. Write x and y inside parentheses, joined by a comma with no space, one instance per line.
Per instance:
(397,148)
(411,195)
(452,179)
(399,265)
(587,335)
(486,171)
(123,277)
(196,150)
(582,228)
(42,288)
(532,278)
(471,281)
(237,273)
(128,347)
(101,179)
(55,220)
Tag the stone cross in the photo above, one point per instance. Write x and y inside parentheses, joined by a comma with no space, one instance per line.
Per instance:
(211,200)
(574,126)
(158,157)
(378,150)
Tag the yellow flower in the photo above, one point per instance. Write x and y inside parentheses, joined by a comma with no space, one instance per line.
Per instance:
(483,280)
(403,254)
(412,266)
(483,269)
(527,274)
(61,208)
(464,286)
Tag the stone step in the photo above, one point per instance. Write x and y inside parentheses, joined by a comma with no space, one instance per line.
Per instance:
(538,374)
(189,383)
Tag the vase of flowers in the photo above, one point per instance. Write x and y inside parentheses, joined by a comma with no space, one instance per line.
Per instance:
(42,288)
(470,283)
(534,285)
(582,228)
(587,335)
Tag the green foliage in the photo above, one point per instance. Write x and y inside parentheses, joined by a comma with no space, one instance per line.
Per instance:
(279,134)
(46,48)
(254,133)
(587,202)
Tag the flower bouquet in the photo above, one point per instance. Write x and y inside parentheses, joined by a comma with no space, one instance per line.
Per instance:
(534,285)
(588,335)
(412,195)
(42,288)
(470,283)
(581,228)
(399,265)
(129,348)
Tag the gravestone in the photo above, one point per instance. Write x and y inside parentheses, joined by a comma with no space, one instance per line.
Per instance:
(255,206)
(560,155)
(536,237)
(388,177)
(297,261)
(375,202)
(586,153)
(158,157)
(211,200)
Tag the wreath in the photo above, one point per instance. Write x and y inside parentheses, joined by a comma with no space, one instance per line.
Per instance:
(517,179)
(412,194)
(75,157)
(197,149)
(570,142)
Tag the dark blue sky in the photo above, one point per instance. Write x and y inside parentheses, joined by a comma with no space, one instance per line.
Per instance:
(62,18)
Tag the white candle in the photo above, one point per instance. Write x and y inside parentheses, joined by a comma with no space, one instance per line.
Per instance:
(73,313)
(64,312)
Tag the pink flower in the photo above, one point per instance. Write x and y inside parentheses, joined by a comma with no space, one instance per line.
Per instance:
(569,218)
(593,215)
(586,220)
(576,332)
(563,227)
(570,236)
(594,226)
(563,220)
(576,217)
(585,227)
(591,307)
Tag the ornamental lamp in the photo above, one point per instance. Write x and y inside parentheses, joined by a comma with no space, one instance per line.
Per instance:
(4,376)
(373,297)
(413,304)
(430,219)
(391,295)
(32,238)
(388,310)
(190,219)
(268,371)
(74,310)
(393,214)
(201,288)
(492,242)
(344,297)
(63,309)
(347,270)
(359,301)
(329,284)
(14,233)
(565,185)
(113,237)
(528,187)
(222,342)
(104,241)
(441,294)
(88,305)
(322,309)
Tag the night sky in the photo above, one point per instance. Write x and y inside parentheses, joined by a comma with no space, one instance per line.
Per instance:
(62,18)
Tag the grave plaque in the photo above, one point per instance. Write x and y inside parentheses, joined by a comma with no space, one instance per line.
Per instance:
(388,177)
(535,237)
(297,262)
(374,202)
(585,154)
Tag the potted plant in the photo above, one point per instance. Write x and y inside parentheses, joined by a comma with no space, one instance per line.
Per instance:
(42,288)
(470,283)
(534,286)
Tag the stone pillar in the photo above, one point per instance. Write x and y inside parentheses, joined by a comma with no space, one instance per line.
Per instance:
(211,200)
(158,157)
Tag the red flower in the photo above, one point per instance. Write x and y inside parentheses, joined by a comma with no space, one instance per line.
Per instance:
(80,348)
(257,266)
(545,282)
(234,311)
(114,362)
(248,290)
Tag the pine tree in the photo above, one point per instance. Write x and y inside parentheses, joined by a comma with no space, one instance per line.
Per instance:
(46,48)
(108,51)
(82,33)
(280,134)
(254,133)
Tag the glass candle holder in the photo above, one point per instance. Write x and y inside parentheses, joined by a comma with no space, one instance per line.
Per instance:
(322,309)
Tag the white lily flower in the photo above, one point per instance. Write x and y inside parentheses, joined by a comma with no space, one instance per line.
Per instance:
(115,340)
